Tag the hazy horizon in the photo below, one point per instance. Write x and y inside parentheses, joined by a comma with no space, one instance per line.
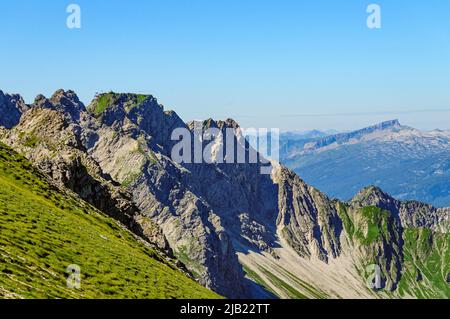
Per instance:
(359,123)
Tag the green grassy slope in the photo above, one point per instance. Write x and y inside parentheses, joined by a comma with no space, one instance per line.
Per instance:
(427,264)
(42,231)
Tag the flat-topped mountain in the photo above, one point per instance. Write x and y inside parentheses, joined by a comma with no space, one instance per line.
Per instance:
(407,163)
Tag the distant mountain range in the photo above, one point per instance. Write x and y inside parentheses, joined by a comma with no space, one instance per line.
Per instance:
(407,163)
(304,135)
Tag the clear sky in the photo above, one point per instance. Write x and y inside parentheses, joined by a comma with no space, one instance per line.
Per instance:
(289,64)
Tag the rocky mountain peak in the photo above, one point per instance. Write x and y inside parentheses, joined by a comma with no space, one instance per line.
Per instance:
(42,102)
(11,109)
(121,103)
(64,102)
(229,123)
(374,196)
(115,108)
(211,123)
(370,193)
(137,113)
(343,138)
(391,124)
(62,96)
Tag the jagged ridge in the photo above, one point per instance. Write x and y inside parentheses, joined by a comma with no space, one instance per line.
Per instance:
(220,218)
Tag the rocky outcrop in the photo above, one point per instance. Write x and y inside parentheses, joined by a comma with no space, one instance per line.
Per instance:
(412,214)
(64,102)
(309,221)
(11,109)
(135,137)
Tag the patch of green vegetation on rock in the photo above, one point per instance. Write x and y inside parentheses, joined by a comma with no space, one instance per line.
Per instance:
(141,98)
(307,287)
(30,140)
(183,254)
(44,230)
(376,224)
(277,282)
(349,227)
(134,100)
(103,101)
(253,275)
(131,179)
(426,264)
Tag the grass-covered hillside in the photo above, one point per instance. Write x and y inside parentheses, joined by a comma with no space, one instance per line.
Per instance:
(43,231)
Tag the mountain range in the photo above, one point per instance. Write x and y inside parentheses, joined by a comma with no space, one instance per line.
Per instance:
(237,232)
(305,135)
(407,163)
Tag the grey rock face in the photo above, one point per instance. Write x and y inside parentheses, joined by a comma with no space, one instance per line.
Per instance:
(11,109)
(309,220)
(193,214)
(64,102)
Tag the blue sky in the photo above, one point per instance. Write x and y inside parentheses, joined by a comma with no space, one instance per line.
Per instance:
(288,64)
